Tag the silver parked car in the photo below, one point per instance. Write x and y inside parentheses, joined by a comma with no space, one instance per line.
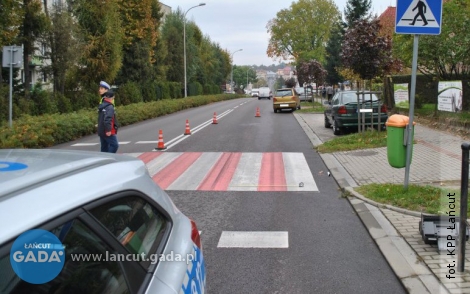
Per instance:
(88,222)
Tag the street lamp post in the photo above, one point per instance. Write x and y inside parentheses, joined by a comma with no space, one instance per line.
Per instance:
(184,48)
(231,75)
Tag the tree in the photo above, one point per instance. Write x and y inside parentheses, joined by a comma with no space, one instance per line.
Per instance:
(172,34)
(333,52)
(365,52)
(243,74)
(141,20)
(34,24)
(446,56)
(301,32)
(356,10)
(64,47)
(10,21)
(102,34)
(311,72)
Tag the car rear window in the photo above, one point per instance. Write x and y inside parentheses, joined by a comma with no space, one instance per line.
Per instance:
(352,97)
(134,222)
(281,93)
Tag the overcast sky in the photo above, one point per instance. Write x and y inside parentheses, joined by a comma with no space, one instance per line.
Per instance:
(241,24)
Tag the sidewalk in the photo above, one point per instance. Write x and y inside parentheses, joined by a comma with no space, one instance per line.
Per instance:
(436,160)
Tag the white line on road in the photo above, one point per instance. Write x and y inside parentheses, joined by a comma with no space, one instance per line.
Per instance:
(230,239)
(181,138)
(85,144)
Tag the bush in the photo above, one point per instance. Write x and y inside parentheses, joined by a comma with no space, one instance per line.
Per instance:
(129,93)
(43,102)
(149,91)
(63,103)
(176,90)
(195,89)
(51,129)
(163,91)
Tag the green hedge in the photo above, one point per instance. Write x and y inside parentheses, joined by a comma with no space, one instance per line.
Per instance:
(52,129)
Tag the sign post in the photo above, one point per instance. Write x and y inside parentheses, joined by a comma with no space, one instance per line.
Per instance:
(417,17)
(11,58)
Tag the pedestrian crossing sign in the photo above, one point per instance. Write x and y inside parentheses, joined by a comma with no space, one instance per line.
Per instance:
(420,17)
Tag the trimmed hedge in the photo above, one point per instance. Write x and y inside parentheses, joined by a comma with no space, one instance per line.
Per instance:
(52,129)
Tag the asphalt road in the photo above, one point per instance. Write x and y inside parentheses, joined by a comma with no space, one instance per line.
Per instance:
(328,249)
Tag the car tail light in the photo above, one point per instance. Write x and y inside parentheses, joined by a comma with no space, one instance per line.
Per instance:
(274,99)
(383,108)
(342,110)
(195,234)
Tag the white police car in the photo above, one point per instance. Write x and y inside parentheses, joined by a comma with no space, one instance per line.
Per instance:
(86,222)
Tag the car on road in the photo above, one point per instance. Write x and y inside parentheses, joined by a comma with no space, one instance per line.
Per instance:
(342,111)
(286,98)
(264,93)
(109,227)
(305,94)
(254,92)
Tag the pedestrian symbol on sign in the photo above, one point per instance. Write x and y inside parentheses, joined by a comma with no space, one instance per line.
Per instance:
(421,13)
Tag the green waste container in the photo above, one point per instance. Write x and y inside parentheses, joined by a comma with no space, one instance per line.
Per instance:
(396,150)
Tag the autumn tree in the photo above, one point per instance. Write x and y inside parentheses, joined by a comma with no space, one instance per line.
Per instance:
(100,24)
(311,72)
(365,51)
(140,25)
(301,31)
(356,10)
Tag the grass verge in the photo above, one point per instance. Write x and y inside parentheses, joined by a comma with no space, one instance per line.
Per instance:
(309,107)
(426,199)
(368,139)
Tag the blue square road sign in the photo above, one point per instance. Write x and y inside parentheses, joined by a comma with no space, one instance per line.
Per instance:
(419,17)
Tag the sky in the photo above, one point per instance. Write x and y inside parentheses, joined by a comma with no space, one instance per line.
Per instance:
(241,24)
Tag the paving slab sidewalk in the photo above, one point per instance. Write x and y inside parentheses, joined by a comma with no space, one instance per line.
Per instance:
(436,160)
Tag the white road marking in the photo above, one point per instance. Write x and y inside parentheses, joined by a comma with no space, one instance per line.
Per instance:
(246,175)
(161,162)
(146,142)
(297,171)
(230,239)
(85,144)
(195,174)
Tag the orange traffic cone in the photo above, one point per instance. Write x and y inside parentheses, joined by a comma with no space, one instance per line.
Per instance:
(187,131)
(214,119)
(161,145)
(257,112)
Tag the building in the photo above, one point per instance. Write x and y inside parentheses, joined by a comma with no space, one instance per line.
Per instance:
(387,21)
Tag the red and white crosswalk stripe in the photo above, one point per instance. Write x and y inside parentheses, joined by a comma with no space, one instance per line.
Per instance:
(229,171)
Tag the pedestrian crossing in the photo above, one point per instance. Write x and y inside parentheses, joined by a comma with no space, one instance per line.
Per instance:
(229,171)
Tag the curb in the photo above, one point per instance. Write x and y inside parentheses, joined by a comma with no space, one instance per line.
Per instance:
(415,275)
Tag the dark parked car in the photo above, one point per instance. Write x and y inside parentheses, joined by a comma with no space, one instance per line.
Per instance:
(342,111)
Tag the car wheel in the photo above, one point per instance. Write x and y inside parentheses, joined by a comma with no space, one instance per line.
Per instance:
(275,110)
(327,123)
(300,107)
(336,129)
(259,98)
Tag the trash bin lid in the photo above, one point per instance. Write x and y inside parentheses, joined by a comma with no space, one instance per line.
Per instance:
(398,120)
